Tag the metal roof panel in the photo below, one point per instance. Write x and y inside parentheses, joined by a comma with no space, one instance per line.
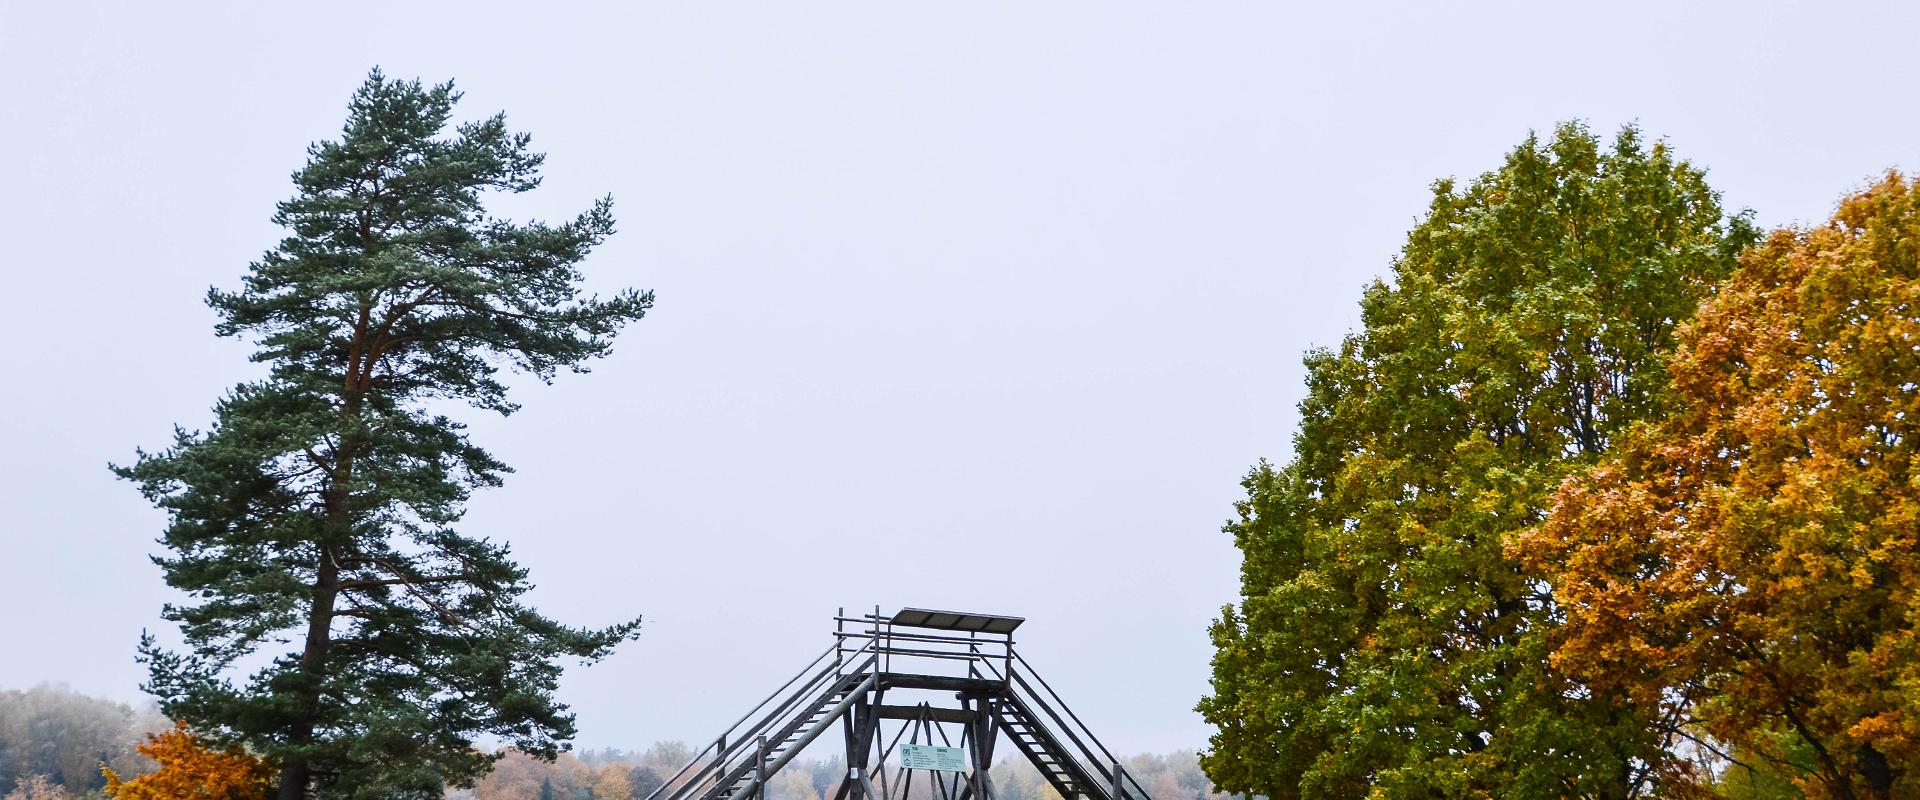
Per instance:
(956,620)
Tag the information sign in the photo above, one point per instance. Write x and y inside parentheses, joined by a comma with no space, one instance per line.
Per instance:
(934,757)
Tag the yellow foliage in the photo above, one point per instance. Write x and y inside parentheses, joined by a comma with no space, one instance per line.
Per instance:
(1754,560)
(611,783)
(190,770)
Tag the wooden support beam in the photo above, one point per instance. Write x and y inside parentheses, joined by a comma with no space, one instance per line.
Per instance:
(961,716)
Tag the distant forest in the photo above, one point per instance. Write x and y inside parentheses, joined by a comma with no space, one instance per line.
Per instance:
(53,742)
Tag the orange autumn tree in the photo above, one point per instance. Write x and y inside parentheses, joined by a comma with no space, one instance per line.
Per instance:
(1750,563)
(191,770)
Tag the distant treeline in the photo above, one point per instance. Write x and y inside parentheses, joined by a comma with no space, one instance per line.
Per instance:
(53,742)
(64,737)
(631,775)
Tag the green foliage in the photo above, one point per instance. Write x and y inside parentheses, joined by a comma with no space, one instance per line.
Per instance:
(319,509)
(1386,644)
(1754,779)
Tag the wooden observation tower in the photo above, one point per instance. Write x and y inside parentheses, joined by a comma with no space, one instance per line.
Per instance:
(917,695)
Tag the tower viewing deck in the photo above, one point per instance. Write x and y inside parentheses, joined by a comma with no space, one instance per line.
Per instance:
(921,694)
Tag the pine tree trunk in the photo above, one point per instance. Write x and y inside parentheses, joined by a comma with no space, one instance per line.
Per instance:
(295,773)
(293,779)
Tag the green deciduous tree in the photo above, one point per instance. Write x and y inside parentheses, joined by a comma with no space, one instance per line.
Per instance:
(1386,644)
(320,507)
(1752,561)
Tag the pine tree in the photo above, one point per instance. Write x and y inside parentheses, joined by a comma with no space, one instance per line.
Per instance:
(320,508)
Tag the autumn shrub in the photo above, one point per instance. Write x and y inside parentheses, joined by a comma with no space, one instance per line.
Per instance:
(191,769)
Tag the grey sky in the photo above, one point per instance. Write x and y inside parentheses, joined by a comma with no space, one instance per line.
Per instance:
(935,279)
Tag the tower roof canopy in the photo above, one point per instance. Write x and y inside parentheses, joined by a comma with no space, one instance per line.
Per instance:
(956,620)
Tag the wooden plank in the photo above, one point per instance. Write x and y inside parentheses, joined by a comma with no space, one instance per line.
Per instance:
(900,680)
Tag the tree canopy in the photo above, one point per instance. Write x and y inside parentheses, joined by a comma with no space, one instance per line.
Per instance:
(320,509)
(1385,641)
(1751,562)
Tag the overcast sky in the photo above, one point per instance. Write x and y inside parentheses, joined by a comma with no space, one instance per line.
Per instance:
(973,305)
